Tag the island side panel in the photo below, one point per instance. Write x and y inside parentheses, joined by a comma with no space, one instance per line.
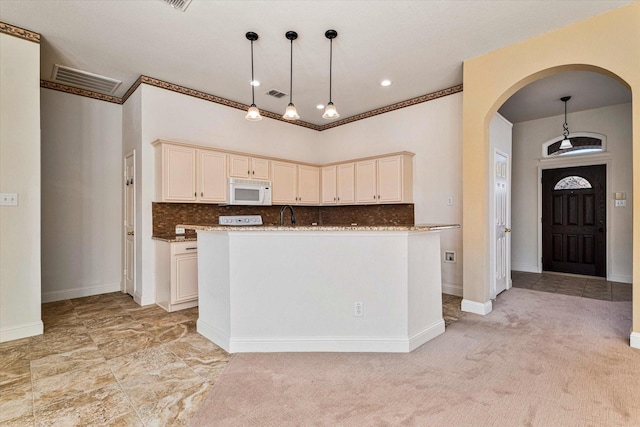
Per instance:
(214,293)
(425,288)
(295,291)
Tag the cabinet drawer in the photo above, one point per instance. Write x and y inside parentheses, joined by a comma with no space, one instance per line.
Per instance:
(184,248)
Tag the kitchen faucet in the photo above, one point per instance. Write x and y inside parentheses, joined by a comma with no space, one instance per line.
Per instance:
(293,217)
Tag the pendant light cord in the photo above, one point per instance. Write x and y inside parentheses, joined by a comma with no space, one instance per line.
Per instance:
(291,75)
(330,66)
(565,126)
(253,96)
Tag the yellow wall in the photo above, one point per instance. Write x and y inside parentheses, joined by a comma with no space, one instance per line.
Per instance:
(608,43)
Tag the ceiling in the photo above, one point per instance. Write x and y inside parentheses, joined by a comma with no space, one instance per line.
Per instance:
(419,45)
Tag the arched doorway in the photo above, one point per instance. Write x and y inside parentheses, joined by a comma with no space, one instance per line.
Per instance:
(606,44)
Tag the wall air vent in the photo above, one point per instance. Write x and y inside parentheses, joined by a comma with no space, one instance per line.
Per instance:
(276,93)
(84,79)
(178,4)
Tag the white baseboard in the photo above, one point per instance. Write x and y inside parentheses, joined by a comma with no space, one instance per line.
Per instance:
(476,307)
(635,339)
(622,278)
(213,334)
(320,344)
(427,334)
(80,292)
(451,289)
(25,330)
(527,268)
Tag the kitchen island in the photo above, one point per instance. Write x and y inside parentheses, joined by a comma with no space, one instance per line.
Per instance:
(351,289)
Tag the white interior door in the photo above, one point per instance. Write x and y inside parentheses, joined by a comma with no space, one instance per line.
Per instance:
(129,224)
(502,221)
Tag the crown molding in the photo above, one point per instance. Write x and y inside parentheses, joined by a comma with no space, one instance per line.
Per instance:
(19,32)
(81,92)
(233,104)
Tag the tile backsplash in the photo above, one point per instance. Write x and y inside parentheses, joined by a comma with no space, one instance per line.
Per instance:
(167,215)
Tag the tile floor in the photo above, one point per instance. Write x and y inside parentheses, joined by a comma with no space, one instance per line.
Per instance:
(580,286)
(105,361)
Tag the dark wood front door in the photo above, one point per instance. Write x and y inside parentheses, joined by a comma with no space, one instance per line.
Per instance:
(574,220)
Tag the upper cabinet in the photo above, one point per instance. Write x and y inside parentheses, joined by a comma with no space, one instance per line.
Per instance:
(385,180)
(190,173)
(187,174)
(294,184)
(338,184)
(248,167)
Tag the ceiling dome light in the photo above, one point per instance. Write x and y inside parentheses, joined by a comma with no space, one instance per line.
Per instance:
(291,113)
(320,106)
(330,111)
(566,142)
(253,114)
(385,83)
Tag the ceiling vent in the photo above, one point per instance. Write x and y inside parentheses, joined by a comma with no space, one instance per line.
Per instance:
(178,4)
(276,93)
(84,79)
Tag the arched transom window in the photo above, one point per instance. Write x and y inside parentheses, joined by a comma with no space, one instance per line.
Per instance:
(572,183)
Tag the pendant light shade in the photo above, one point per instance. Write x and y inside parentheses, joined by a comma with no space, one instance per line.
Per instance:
(291,113)
(566,142)
(253,114)
(330,111)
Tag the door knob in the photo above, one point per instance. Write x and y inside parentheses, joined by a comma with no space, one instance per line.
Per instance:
(507,230)
(129,233)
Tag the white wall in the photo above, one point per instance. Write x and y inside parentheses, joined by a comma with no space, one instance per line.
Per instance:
(20,173)
(81,196)
(528,137)
(433,131)
(169,115)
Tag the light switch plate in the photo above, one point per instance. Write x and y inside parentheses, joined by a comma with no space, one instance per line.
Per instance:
(8,199)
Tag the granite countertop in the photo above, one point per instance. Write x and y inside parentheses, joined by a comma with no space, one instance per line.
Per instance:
(417,227)
(177,238)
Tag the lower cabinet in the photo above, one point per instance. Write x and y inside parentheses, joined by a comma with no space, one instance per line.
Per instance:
(176,275)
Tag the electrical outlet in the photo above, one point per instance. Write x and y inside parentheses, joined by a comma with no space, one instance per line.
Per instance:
(450,201)
(8,199)
(179,230)
(449,256)
(358,309)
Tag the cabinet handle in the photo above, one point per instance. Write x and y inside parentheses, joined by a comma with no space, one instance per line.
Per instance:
(248,172)
(191,249)
(202,194)
(378,197)
(334,199)
(195,194)
(253,172)
(338,198)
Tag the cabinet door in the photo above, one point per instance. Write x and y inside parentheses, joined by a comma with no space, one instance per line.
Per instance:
(239,166)
(328,179)
(283,183)
(179,174)
(366,188)
(212,171)
(260,168)
(308,185)
(390,179)
(186,285)
(345,191)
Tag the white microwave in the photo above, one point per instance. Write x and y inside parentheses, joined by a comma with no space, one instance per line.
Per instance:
(249,192)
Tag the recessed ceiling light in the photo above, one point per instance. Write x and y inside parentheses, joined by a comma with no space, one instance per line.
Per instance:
(385,83)
(320,106)
(255,83)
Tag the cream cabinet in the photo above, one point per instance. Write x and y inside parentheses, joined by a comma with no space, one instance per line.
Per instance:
(176,275)
(338,184)
(294,184)
(187,174)
(384,180)
(248,167)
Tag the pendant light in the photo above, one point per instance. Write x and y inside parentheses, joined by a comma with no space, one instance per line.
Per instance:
(330,111)
(253,114)
(566,143)
(291,113)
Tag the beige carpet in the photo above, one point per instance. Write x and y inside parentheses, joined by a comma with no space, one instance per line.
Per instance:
(538,359)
